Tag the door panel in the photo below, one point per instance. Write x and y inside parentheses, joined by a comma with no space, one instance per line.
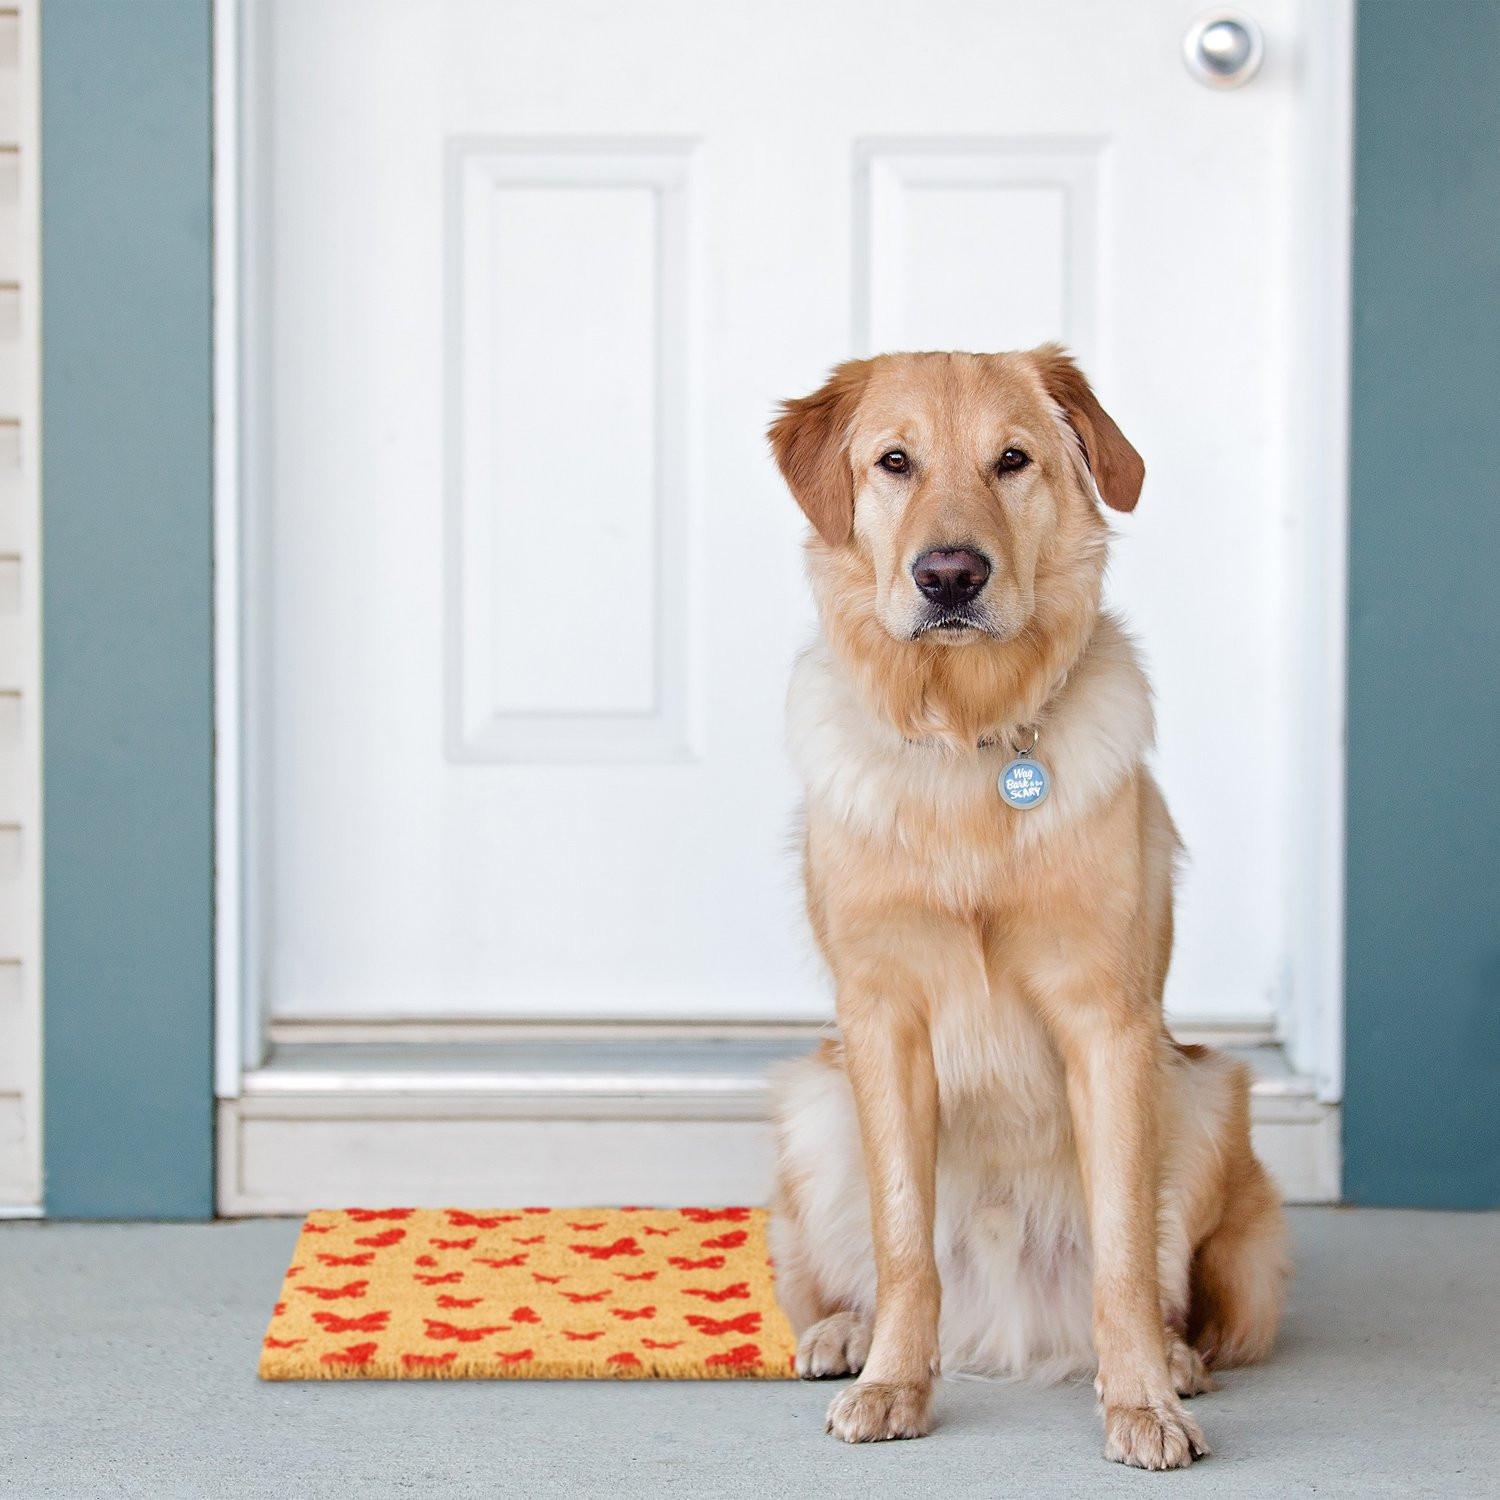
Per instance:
(539,273)
(569,320)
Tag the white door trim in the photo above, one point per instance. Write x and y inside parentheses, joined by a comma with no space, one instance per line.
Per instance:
(1314,648)
(229,934)
(239,438)
(1312,1010)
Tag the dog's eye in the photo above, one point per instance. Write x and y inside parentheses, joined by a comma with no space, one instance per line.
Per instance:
(1011,460)
(894,462)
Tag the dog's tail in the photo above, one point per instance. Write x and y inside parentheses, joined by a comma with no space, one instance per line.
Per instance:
(1240,1274)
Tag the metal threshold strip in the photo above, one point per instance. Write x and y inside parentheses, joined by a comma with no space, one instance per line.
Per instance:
(685,1068)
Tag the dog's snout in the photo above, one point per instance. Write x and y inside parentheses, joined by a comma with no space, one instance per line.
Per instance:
(950,575)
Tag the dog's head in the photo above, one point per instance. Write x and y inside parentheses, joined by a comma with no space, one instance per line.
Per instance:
(949,487)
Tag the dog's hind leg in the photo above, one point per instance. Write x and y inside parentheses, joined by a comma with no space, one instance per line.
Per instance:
(1240,1272)
(831,1340)
(819,1233)
(1224,1264)
(1205,1103)
(836,1345)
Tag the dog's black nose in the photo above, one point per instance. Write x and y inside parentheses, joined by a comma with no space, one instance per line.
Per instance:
(950,575)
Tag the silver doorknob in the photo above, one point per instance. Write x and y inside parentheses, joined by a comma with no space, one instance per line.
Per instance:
(1223,49)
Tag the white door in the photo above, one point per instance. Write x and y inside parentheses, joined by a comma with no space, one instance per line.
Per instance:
(528,587)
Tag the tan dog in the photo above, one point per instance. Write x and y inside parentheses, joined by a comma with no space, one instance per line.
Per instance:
(1006,1162)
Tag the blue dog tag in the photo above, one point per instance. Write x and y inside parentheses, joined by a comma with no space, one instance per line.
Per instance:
(1024,783)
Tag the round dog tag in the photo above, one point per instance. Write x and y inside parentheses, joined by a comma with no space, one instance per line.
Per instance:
(1024,783)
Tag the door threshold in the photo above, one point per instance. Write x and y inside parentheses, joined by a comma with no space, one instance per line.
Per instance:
(638,1118)
(712,1069)
(429,1031)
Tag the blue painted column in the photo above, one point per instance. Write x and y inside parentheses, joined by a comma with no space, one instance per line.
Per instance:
(1422,1097)
(127,621)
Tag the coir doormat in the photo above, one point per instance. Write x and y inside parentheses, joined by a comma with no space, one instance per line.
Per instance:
(530,1294)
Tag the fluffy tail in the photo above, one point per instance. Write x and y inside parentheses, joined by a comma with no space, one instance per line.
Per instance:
(1240,1275)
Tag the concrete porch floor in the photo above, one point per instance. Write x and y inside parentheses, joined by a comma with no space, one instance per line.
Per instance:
(128,1359)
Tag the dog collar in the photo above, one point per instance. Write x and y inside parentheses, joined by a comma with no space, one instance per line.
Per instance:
(1025,781)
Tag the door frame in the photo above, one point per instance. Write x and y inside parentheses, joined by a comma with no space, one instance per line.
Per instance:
(1310,1023)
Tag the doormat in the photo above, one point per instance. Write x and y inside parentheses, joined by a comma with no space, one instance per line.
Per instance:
(529,1294)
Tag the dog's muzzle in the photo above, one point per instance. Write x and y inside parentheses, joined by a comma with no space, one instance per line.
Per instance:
(951,579)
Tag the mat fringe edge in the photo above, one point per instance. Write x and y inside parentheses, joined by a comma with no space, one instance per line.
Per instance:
(487,1369)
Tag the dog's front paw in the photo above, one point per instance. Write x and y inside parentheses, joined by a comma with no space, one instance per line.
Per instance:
(874,1411)
(839,1345)
(1160,1435)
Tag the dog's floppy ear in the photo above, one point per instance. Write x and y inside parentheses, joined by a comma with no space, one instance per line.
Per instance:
(811,442)
(1117,468)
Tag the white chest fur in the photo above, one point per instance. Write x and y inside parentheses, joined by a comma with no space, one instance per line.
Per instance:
(861,774)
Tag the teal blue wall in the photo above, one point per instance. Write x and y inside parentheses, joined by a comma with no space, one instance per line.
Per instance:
(127,587)
(1422,1097)
(126,636)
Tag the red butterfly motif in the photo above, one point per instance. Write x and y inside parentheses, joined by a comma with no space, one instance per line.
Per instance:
(746,1323)
(426,1260)
(715,1215)
(370,1323)
(437,1329)
(467,1244)
(355,1354)
(741,1354)
(271,1343)
(277,1311)
(508,1260)
(513,1359)
(524,1315)
(550,1280)
(384,1238)
(584,1228)
(294,1270)
(625,1357)
(587,1296)
(730,1241)
(736,1293)
(449,1280)
(530,1239)
(651,1229)
(310,1228)
(363,1259)
(708,1263)
(333,1293)
(584,1337)
(668,1344)
(444,1300)
(428,1361)
(369,1215)
(536,1210)
(630,1313)
(459,1219)
(625,1245)
(637,1275)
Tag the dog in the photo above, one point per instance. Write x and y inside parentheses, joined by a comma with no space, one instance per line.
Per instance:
(1004,1164)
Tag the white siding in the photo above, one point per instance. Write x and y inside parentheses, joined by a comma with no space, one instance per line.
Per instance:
(20,621)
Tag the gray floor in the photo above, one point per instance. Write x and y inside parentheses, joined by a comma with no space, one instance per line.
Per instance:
(127,1358)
